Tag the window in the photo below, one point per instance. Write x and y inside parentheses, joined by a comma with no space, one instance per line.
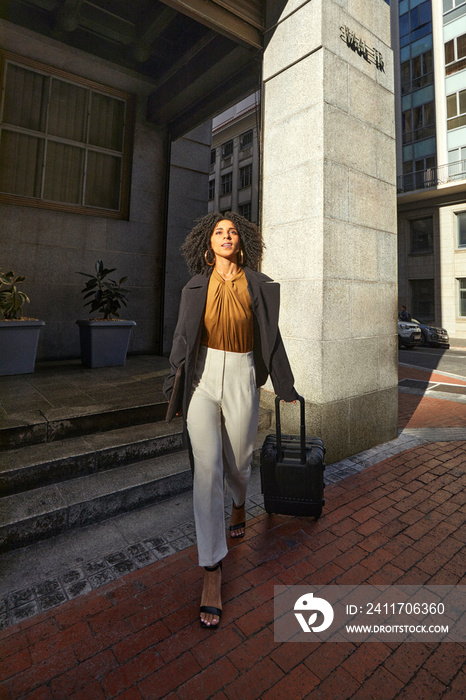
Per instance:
(245,176)
(211,189)
(457,163)
(420,173)
(422,235)
(227,183)
(462,296)
(245,140)
(415,24)
(449,4)
(417,72)
(418,123)
(213,155)
(422,295)
(245,210)
(455,54)
(461,229)
(456,110)
(449,7)
(227,149)
(64,142)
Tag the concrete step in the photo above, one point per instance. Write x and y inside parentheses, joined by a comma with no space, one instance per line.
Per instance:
(39,465)
(41,513)
(44,512)
(35,427)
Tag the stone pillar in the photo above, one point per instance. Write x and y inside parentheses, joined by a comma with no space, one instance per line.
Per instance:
(329,214)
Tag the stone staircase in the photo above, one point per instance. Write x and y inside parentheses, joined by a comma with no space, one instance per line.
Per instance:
(76,470)
(89,469)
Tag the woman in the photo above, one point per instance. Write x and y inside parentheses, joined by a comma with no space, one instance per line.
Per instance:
(227,334)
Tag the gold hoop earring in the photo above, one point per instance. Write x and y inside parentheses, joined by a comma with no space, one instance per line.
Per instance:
(205,257)
(242,257)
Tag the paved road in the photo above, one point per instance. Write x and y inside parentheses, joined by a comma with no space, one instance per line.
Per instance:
(450,361)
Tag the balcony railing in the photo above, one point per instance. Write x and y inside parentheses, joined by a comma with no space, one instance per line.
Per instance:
(432,177)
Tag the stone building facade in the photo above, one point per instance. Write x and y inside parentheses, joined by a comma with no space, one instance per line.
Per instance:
(155,71)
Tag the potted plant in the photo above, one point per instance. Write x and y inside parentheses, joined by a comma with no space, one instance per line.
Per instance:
(19,335)
(104,341)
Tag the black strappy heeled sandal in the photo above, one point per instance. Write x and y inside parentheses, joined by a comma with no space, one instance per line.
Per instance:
(210,609)
(238,526)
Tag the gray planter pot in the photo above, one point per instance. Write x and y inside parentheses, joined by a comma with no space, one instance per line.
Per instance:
(104,343)
(18,346)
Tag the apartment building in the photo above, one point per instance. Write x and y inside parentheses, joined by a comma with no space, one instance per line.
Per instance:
(234,163)
(429,41)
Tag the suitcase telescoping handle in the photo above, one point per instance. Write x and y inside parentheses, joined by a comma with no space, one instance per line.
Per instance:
(279,430)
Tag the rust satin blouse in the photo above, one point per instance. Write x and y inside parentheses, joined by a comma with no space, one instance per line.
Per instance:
(228,323)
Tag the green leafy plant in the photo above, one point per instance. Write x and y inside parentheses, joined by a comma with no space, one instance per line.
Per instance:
(11,299)
(106,296)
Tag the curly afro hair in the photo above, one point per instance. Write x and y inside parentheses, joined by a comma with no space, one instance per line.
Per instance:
(198,241)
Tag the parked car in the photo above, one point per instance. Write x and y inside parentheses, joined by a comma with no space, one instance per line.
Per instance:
(409,334)
(433,336)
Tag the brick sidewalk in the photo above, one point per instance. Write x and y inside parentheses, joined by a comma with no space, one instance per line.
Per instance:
(425,411)
(401,521)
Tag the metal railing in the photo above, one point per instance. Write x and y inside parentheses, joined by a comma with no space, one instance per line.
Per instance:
(432,177)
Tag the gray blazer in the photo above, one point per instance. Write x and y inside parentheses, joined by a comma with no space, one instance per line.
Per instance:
(269,352)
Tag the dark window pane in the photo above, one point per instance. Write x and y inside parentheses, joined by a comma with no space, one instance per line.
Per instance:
(245,210)
(227,182)
(245,140)
(26,97)
(67,111)
(427,62)
(407,126)
(103,180)
(461,46)
(404,41)
(450,51)
(405,73)
(423,30)
(417,117)
(414,19)
(461,223)
(407,120)
(451,106)
(64,171)
(21,159)
(422,234)
(106,122)
(422,295)
(245,176)
(463,102)
(417,67)
(462,297)
(456,122)
(404,24)
(429,113)
(227,149)
(425,12)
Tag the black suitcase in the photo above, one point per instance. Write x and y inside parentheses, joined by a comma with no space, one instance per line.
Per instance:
(292,471)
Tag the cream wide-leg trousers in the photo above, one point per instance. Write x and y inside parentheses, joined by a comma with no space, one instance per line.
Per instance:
(222,425)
